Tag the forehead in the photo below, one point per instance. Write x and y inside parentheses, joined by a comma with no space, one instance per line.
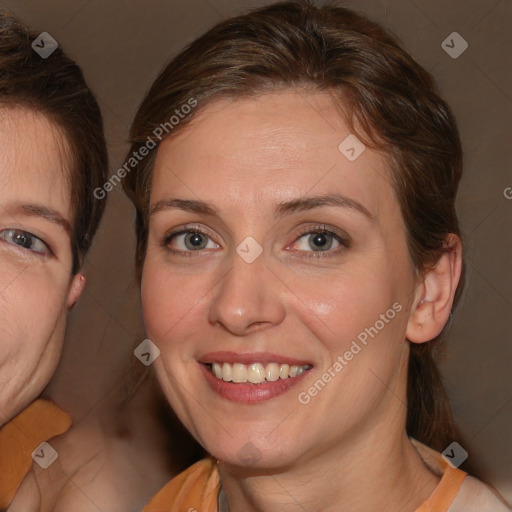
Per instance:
(34,166)
(269,148)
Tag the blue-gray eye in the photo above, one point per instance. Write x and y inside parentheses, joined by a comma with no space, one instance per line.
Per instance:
(195,241)
(317,242)
(25,240)
(191,241)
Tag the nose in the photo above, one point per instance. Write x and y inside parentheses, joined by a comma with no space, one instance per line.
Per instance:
(248,298)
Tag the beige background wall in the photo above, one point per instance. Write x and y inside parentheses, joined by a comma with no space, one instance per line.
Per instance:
(122,45)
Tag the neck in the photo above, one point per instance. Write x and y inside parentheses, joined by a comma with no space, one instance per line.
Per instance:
(375,473)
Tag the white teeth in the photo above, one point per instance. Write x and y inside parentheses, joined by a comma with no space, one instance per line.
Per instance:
(239,373)
(217,370)
(256,373)
(272,372)
(227,374)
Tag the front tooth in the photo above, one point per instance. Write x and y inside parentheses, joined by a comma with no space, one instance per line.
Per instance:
(292,372)
(256,373)
(226,372)
(239,373)
(217,370)
(283,371)
(272,372)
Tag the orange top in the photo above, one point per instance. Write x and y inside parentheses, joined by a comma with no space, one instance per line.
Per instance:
(40,421)
(197,488)
(451,480)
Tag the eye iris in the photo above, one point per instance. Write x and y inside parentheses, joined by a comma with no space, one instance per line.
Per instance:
(320,241)
(22,240)
(195,241)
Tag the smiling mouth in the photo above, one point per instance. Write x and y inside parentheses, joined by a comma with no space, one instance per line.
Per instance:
(255,373)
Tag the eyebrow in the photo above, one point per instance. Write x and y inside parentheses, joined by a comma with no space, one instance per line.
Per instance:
(48,214)
(308,203)
(188,205)
(281,209)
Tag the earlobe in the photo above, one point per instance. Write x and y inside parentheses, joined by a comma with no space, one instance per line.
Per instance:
(434,295)
(75,290)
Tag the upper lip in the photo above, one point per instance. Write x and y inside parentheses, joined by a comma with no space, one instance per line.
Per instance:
(250,358)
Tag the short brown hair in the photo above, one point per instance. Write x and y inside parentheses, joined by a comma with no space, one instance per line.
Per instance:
(55,87)
(379,87)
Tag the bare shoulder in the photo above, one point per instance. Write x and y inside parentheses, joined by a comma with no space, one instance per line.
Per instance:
(476,496)
(108,471)
(96,469)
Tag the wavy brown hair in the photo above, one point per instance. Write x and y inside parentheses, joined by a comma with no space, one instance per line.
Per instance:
(390,101)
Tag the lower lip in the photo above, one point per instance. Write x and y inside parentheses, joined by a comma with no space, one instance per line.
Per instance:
(248,393)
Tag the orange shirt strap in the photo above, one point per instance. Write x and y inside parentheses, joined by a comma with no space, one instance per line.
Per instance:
(39,422)
(197,488)
(451,480)
(445,492)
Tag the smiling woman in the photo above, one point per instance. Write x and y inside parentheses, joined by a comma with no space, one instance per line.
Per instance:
(53,155)
(297,236)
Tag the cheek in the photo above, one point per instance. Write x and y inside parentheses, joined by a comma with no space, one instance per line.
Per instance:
(32,307)
(170,302)
(32,320)
(359,319)
(339,305)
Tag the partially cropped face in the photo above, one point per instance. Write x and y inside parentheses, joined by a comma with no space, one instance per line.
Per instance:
(277,282)
(36,287)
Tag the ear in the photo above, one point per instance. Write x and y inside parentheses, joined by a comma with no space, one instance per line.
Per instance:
(76,288)
(434,295)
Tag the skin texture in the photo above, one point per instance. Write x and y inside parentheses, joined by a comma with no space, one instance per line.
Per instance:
(36,287)
(97,467)
(348,445)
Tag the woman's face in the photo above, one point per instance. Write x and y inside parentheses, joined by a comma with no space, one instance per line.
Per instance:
(35,256)
(271,254)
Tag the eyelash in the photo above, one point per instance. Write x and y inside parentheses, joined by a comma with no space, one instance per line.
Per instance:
(13,232)
(185,230)
(343,240)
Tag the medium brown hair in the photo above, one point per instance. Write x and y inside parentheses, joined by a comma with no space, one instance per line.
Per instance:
(55,87)
(392,100)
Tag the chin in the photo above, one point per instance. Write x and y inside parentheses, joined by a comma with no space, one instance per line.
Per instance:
(251,455)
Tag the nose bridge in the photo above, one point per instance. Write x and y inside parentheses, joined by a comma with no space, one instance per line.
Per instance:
(247,295)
